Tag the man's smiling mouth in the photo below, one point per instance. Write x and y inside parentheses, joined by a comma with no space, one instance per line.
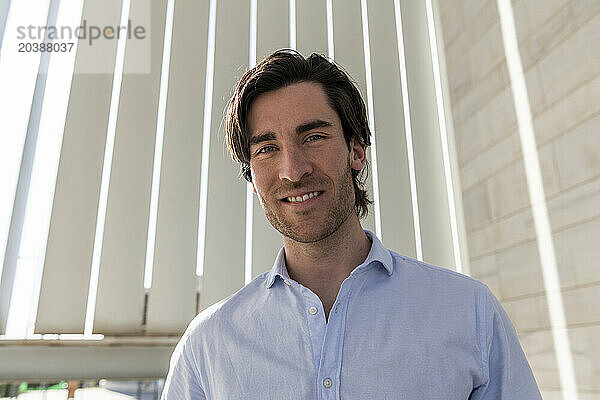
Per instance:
(300,199)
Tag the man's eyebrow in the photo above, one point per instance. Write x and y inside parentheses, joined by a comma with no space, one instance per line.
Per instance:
(309,126)
(305,127)
(263,137)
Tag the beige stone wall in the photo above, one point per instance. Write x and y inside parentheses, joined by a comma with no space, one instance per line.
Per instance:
(560,49)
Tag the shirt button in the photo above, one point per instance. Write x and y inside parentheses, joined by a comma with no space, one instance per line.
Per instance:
(312,310)
(327,383)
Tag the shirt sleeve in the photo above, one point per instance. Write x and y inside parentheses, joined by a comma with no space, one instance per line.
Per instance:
(182,381)
(509,375)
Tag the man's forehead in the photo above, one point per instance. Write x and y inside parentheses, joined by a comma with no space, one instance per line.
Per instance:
(298,107)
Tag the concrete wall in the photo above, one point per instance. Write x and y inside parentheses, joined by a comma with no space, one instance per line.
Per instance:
(559,44)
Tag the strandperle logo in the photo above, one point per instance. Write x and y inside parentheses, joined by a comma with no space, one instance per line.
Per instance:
(82,32)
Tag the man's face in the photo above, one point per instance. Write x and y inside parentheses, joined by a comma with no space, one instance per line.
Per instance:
(300,163)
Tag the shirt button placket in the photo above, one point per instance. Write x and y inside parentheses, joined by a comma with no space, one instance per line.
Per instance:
(330,362)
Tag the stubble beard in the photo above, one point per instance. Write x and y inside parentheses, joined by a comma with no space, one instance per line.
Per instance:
(342,207)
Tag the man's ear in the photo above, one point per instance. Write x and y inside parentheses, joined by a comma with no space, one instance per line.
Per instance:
(358,155)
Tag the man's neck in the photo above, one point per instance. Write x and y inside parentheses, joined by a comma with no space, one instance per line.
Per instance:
(322,266)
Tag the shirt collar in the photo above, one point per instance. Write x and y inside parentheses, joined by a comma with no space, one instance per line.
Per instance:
(279,269)
(378,253)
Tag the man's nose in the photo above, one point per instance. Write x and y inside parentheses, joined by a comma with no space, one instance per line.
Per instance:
(294,165)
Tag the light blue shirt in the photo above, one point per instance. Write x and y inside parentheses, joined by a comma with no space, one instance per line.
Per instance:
(399,329)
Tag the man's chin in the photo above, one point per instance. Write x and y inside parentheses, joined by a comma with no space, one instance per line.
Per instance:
(306,237)
(308,227)
(311,231)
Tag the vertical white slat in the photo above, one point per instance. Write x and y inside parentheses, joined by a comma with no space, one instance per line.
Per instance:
(120,297)
(272,34)
(392,153)
(431,184)
(348,44)
(223,268)
(174,280)
(33,206)
(454,167)
(17,154)
(17,84)
(273,30)
(441,112)
(311,27)
(65,279)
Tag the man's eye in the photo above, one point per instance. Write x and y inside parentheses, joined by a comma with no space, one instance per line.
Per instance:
(312,138)
(266,149)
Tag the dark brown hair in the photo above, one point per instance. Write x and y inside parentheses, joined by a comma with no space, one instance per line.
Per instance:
(286,67)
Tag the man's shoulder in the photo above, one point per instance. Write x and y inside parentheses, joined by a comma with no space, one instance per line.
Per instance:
(420,273)
(441,272)
(440,293)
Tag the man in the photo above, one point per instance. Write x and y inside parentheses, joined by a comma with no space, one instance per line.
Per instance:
(338,315)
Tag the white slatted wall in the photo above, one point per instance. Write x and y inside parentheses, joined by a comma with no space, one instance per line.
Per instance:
(201,219)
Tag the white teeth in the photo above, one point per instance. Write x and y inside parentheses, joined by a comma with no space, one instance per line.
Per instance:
(303,198)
